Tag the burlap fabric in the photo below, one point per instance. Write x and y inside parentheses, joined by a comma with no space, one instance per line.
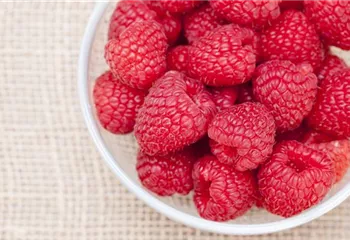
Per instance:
(53,183)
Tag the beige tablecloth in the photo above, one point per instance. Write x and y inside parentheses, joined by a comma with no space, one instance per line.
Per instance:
(53,183)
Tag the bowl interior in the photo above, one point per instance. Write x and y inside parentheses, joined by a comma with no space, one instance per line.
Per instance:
(124,148)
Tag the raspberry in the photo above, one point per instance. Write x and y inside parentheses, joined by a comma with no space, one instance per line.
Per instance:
(138,56)
(295,178)
(116,104)
(292,4)
(177,58)
(295,134)
(245,93)
(179,6)
(126,13)
(339,153)
(330,65)
(200,22)
(243,135)
(313,136)
(286,89)
(331,111)
(331,19)
(167,175)
(224,97)
(256,13)
(175,113)
(220,192)
(292,37)
(224,57)
(172,27)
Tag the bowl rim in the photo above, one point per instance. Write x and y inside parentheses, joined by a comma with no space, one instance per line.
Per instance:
(149,199)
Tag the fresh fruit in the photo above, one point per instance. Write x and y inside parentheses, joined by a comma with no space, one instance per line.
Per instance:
(172,27)
(138,56)
(292,4)
(177,58)
(242,136)
(295,178)
(288,90)
(339,152)
(200,22)
(179,6)
(313,136)
(292,37)
(220,192)
(331,111)
(245,93)
(296,134)
(255,13)
(331,18)
(116,103)
(330,65)
(167,175)
(176,113)
(224,57)
(126,13)
(224,97)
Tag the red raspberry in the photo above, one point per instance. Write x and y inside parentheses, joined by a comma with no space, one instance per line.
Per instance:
(295,178)
(224,57)
(243,135)
(256,13)
(179,6)
(313,136)
(245,93)
(224,97)
(167,175)
(177,58)
(339,153)
(331,19)
(138,56)
(331,112)
(220,192)
(126,13)
(330,65)
(292,37)
(116,104)
(200,22)
(292,4)
(172,27)
(286,89)
(176,113)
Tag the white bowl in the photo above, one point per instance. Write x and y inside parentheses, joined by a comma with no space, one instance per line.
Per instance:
(118,152)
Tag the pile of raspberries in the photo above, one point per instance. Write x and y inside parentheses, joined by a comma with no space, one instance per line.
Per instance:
(240,101)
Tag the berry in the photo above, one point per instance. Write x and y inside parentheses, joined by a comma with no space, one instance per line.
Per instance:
(331,19)
(243,135)
(220,192)
(331,111)
(295,134)
(175,114)
(255,13)
(224,57)
(292,37)
(172,27)
(245,93)
(177,58)
(138,56)
(339,153)
(167,175)
(330,65)
(295,178)
(288,90)
(179,6)
(116,103)
(126,13)
(200,22)
(313,136)
(224,97)
(292,4)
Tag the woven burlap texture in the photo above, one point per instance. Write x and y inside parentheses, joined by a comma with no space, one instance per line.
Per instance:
(53,183)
